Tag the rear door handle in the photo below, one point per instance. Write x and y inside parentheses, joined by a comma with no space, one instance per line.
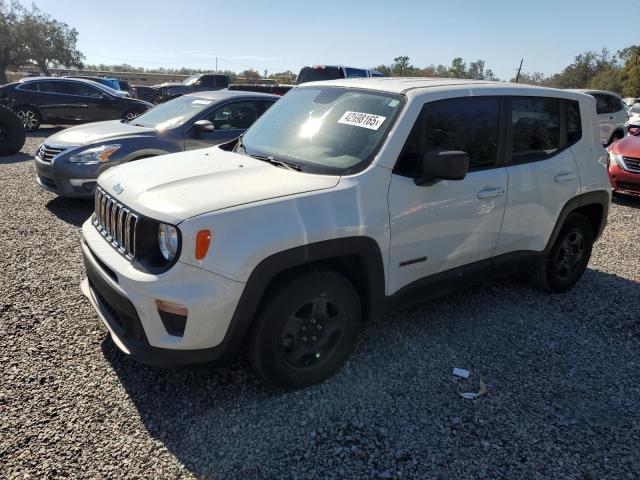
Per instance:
(490,192)
(564,177)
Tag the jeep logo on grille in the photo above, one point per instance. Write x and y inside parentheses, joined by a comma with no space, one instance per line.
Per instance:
(118,188)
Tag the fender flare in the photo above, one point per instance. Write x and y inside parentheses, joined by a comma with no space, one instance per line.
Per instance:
(598,197)
(364,248)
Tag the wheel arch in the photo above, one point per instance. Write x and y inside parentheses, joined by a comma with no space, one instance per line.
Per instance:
(593,205)
(357,258)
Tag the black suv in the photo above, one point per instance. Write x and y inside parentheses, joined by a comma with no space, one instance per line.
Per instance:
(62,101)
(195,83)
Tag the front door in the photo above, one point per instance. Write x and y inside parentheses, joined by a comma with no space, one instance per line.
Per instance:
(447,224)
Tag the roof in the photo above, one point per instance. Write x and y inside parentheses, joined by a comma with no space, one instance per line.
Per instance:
(217,95)
(403,85)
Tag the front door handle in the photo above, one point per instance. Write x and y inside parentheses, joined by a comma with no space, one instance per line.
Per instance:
(564,177)
(490,192)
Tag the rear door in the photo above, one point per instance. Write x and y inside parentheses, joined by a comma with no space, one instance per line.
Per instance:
(542,172)
(448,224)
(229,120)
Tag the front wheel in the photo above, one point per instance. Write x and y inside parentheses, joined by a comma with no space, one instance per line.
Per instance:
(306,330)
(30,118)
(565,264)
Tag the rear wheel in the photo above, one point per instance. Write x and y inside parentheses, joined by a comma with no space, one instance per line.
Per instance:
(30,118)
(617,135)
(306,330)
(566,262)
(12,134)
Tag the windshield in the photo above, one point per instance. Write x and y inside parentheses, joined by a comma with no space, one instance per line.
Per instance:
(173,113)
(191,79)
(324,129)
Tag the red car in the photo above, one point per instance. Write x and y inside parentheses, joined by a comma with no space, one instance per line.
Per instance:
(624,165)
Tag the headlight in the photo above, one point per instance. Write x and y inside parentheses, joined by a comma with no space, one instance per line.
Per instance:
(94,155)
(617,159)
(168,241)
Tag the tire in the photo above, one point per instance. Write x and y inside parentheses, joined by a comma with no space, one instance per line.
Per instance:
(567,260)
(131,114)
(305,330)
(30,118)
(12,134)
(617,135)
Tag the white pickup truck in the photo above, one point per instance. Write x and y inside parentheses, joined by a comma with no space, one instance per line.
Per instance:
(346,197)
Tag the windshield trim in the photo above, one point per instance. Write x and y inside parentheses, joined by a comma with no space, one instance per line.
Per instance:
(318,168)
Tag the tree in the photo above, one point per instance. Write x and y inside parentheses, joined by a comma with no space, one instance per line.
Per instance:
(49,41)
(251,75)
(13,51)
(630,75)
(287,77)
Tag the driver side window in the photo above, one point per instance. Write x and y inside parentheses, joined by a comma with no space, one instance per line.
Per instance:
(466,124)
(234,116)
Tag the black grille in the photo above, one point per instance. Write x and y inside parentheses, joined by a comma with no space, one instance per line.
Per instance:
(633,164)
(116,223)
(48,152)
(635,187)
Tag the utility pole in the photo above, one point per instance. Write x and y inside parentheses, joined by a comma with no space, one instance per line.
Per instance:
(519,69)
(216,64)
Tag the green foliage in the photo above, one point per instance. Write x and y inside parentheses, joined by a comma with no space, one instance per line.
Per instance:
(401,67)
(31,35)
(13,50)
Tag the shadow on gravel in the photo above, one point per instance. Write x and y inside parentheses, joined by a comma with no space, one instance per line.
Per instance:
(221,421)
(71,210)
(18,157)
(626,201)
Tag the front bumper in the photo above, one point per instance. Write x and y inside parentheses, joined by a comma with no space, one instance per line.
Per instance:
(124,298)
(623,181)
(69,180)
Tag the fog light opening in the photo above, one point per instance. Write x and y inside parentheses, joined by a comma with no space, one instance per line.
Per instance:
(173,316)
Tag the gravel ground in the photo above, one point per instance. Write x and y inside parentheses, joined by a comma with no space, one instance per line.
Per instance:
(562,377)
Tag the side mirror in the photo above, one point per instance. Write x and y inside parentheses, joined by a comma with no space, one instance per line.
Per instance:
(443,165)
(204,126)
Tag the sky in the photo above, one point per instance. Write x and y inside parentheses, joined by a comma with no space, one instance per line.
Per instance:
(279,35)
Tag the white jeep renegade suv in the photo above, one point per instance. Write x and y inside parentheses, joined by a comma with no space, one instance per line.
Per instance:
(345,197)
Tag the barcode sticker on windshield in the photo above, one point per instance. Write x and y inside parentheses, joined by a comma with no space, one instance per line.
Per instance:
(365,120)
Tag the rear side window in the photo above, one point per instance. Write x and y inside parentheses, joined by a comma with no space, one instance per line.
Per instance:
(535,125)
(574,121)
(29,87)
(607,103)
(356,73)
(221,81)
(467,124)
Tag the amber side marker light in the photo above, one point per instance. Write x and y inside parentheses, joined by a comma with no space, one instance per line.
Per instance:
(203,239)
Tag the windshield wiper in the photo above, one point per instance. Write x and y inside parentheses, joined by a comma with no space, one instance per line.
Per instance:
(277,162)
(272,160)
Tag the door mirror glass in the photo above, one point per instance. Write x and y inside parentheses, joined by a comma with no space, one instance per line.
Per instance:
(204,126)
(443,165)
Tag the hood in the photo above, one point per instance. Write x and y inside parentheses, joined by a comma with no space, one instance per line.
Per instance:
(174,187)
(96,132)
(628,146)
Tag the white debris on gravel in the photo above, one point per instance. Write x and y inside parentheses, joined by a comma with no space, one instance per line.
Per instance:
(72,406)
